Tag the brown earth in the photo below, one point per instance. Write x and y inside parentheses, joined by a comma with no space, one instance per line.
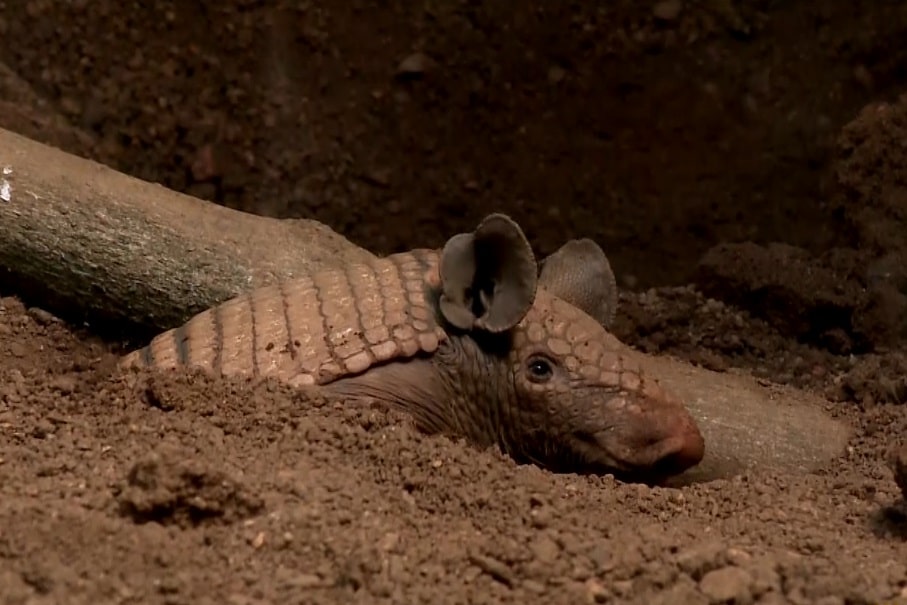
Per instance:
(745,161)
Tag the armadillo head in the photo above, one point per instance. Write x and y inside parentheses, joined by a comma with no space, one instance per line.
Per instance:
(567,395)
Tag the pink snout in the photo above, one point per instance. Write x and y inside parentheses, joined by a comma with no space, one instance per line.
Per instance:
(655,437)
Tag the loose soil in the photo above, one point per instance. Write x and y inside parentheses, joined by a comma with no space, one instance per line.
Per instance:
(743,165)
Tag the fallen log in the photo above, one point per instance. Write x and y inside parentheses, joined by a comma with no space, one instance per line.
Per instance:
(94,245)
(89,243)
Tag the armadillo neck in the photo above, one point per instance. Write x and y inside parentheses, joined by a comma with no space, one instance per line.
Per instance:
(479,391)
(459,390)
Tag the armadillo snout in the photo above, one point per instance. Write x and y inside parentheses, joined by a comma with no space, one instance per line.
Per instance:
(655,437)
(679,452)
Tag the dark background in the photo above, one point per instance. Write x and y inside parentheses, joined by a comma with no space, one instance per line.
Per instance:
(659,130)
(741,151)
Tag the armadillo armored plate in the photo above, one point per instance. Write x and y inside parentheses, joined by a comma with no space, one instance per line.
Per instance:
(748,426)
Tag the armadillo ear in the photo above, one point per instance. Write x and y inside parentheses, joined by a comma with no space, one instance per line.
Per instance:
(488,277)
(579,273)
(458,269)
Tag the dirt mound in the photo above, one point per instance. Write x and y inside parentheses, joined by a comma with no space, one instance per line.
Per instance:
(847,299)
(257,493)
(871,172)
(172,488)
(815,300)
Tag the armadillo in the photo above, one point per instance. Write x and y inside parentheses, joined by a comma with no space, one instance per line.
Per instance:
(476,340)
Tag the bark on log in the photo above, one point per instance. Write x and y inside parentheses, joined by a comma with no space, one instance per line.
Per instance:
(94,245)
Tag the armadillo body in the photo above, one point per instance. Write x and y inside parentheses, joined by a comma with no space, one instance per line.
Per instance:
(312,330)
(470,340)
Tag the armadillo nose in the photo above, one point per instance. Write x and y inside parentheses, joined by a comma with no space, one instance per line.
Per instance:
(682,452)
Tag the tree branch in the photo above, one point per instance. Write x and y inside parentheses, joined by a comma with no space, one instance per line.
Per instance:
(95,245)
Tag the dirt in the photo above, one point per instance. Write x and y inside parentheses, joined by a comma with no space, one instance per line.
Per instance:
(179,489)
(743,165)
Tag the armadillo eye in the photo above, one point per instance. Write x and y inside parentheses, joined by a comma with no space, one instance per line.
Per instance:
(539,369)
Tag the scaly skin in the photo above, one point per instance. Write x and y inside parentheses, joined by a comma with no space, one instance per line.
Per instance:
(609,413)
(373,331)
(311,330)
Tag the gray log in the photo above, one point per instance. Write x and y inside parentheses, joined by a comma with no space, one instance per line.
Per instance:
(95,245)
